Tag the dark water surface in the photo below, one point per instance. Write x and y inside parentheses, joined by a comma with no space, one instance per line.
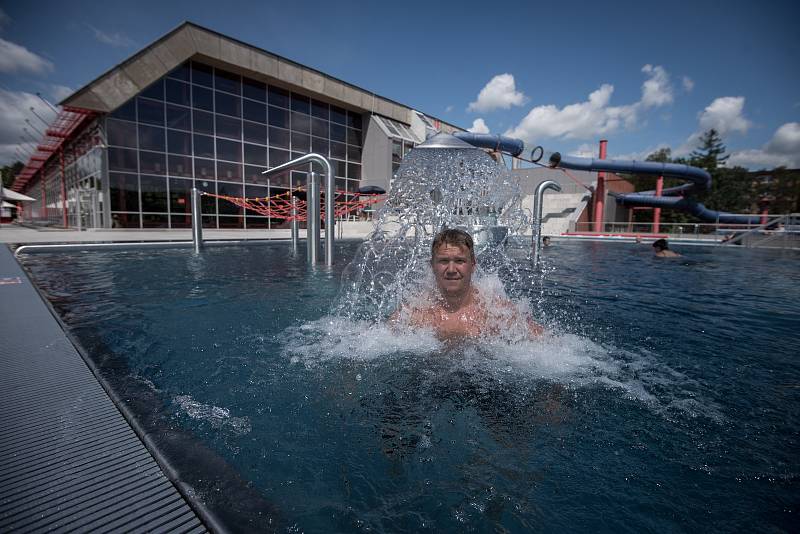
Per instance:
(666,399)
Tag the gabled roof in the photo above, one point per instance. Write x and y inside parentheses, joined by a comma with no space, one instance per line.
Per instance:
(190,41)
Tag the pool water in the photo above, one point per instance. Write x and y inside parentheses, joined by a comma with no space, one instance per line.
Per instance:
(666,396)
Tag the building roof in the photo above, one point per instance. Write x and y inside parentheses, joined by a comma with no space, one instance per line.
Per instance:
(190,41)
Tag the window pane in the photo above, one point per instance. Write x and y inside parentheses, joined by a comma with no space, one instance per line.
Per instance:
(203,146)
(319,127)
(338,115)
(203,122)
(121,133)
(124,220)
(180,72)
(229,171)
(228,104)
(201,74)
(338,133)
(278,97)
(230,190)
(208,205)
(152,220)
(152,162)
(255,155)
(122,159)
(300,142)
(319,146)
(180,165)
(178,117)
(338,151)
(255,133)
(229,150)
(353,153)
(339,168)
(278,117)
(354,137)
(300,122)
(319,109)
(154,193)
(202,98)
(354,171)
(228,82)
(126,111)
(204,168)
(279,138)
(253,174)
(150,111)
(254,89)
(277,157)
(229,127)
(179,142)
(151,138)
(154,91)
(124,192)
(178,92)
(254,111)
(180,196)
(301,103)
(354,119)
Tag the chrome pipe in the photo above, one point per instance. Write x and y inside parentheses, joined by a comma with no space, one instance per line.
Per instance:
(329,197)
(197,220)
(538,198)
(295,225)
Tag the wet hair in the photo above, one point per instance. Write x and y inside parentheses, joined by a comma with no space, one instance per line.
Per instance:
(454,237)
(661,244)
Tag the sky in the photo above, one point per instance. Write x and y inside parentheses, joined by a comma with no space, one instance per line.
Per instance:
(643,75)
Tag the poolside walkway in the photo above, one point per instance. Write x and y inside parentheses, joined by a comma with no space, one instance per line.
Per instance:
(69,460)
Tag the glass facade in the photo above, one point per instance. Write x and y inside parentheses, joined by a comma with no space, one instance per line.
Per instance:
(200,126)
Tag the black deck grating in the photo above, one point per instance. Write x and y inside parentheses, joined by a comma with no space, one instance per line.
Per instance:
(69,461)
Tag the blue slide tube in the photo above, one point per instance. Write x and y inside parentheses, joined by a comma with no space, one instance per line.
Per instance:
(671,197)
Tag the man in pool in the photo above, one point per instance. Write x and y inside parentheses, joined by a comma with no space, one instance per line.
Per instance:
(662,249)
(457,309)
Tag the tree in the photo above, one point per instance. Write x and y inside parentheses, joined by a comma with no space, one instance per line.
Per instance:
(709,155)
(9,172)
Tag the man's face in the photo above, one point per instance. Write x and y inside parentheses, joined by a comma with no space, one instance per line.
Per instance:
(452,266)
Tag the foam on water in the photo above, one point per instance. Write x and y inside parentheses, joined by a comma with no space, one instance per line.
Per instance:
(219,418)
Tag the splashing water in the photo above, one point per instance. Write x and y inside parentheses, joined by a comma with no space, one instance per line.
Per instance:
(433,189)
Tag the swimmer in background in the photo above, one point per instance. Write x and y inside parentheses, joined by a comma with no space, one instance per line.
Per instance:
(546,241)
(458,310)
(662,249)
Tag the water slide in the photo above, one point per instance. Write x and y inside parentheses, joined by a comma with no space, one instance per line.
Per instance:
(671,198)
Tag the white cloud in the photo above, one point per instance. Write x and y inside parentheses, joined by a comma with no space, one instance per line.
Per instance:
(16,58)
(60,92)
(14,109)
(478,126)
(448,109)
(656,90)
(595,116)
(583,120)
(786,140)
(724,114)
(688,84)
(499,93)
(782,150)
(116,39)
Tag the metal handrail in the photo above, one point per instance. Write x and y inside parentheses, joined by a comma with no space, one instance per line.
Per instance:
(313,202)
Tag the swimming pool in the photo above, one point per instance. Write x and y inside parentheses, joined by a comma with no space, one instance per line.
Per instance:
(667,397)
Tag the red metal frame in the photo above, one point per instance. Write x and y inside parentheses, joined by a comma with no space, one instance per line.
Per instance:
(600,192)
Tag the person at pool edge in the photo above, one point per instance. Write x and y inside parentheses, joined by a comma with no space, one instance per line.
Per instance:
(662,249)
(458,310)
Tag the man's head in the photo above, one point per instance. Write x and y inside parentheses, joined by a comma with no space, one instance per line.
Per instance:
(453,261)
(546,241)
(660,244)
